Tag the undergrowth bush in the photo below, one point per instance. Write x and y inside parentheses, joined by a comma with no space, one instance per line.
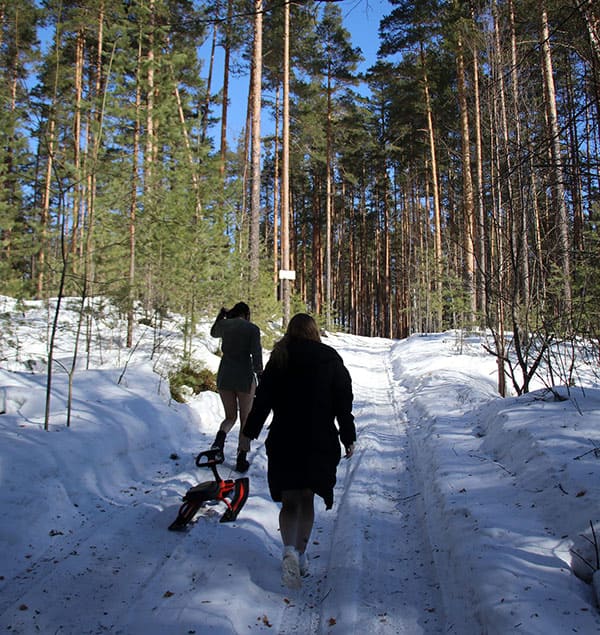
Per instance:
(195,378)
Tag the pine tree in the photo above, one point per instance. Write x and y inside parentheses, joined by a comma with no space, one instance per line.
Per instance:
(19,49)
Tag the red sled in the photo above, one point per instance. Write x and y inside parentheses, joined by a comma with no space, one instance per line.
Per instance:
(234,493)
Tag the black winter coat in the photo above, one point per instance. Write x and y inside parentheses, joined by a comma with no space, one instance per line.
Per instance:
(303,444)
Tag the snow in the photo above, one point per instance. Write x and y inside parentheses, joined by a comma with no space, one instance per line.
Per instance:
(458,512)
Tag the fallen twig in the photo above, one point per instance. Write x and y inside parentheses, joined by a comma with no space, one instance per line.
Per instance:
(485,458)
(408,498)
(595,450)
(325,596)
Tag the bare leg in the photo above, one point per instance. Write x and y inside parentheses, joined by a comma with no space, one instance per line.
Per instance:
(230,404)
(296,518)
(245,400)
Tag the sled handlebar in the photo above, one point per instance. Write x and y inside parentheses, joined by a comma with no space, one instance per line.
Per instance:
(210,458)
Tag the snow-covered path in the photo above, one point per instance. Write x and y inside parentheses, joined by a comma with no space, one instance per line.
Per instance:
(372,572)
(96,556)
(504,489)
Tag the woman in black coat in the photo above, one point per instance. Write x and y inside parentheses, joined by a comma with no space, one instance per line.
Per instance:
(307,386)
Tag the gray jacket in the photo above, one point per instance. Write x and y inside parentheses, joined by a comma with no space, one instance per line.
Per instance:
(242,353)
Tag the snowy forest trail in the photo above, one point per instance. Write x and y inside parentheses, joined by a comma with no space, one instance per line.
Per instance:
(460,512)
(106,563)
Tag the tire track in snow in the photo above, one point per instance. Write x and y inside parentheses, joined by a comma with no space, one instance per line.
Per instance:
(372,572)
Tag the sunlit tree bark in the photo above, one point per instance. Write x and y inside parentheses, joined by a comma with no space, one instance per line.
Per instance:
(254,246)
(563,255)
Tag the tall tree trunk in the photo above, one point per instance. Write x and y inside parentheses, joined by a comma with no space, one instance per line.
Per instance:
(437,216)
(575,172)
(256,146)
(150,95)
(8,169)
(386,307)
(506,172)
(480,250)
(188,147)
(133,199)
(47,195)
(91,165)
(45,206)
(468,200)
(225,92)
(328,206)
(317,247)
(205,108)
(563,255)
(285,170)
(276,192)
(521,221)
(353,283)
(591,15)
(78,211)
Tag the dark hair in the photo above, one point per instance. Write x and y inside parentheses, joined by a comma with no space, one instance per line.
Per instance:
(301,327)
(241,309)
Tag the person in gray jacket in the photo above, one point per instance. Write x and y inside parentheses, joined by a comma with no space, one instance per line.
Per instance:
(240,365)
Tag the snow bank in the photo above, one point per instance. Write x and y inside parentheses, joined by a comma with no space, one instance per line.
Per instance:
(508,484)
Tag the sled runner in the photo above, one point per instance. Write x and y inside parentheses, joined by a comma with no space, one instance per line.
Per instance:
(233,493)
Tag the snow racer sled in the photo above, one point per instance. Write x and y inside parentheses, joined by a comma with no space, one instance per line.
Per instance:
(233,493)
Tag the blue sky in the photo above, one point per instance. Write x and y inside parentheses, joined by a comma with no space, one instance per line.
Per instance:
(361,19)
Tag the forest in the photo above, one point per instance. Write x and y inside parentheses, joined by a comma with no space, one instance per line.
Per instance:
(453,185)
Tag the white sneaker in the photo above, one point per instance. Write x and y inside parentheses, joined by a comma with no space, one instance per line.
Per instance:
(290,568)
(303,565)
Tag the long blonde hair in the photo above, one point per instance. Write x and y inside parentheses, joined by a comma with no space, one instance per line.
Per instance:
(301,327)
